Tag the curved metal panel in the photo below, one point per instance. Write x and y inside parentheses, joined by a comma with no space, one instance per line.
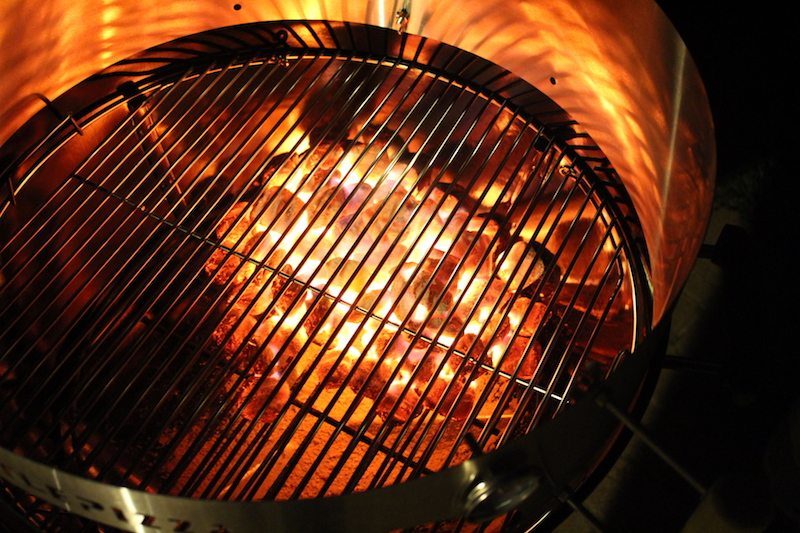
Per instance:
(624,74)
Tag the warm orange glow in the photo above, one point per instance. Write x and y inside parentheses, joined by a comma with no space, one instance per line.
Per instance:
(636,92)
(312,230)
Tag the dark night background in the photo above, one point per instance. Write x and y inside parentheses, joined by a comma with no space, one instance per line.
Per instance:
(736,321)
(746,54)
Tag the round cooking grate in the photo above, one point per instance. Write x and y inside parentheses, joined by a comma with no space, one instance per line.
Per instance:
(287,272)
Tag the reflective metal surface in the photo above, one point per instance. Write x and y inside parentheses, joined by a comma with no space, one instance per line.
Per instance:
(559,450)
(624,74)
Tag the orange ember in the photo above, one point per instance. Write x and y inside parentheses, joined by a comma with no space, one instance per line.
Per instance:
(364,289)
(358,274)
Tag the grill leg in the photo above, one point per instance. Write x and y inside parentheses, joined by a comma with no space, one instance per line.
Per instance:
(583,511)
(641,433)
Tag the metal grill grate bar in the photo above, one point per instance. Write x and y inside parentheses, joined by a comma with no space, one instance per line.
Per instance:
(77,292)
(492,368)
(26,267)
(317,390)
(508,390)
(372,413)
(199,249)
(274,271)
(143,340)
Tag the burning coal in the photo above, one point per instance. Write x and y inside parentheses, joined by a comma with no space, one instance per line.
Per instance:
(348,266)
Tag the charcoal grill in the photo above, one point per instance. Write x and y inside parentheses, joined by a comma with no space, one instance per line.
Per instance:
(144,280)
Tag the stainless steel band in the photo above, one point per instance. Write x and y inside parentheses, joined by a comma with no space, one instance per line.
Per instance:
(132,510)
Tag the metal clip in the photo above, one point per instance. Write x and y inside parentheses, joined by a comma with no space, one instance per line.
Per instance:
(401,20)
(279,47)
(52,108)
(568,170)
